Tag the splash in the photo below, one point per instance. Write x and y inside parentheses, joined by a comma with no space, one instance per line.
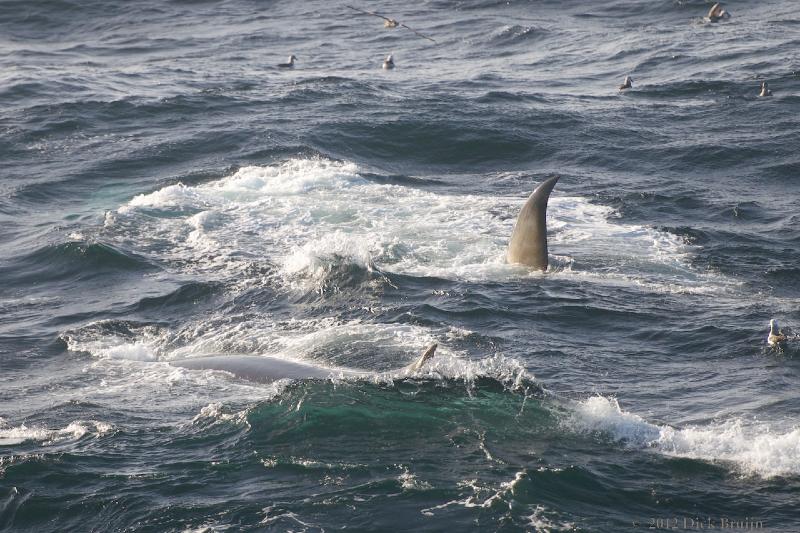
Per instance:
(10,436)
(317,216)
(755,449)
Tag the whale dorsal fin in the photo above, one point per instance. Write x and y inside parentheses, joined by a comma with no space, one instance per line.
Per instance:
(413,367)
(528,245)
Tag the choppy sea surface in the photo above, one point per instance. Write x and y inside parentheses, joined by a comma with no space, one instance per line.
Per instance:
(167,192)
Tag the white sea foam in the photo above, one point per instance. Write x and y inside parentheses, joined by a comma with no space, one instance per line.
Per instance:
(328,342)
(478,495)
(509,371)
(177,196)
(292,177)
(112,347)
(314,260)
(208,528)
(409,481)
(539,521)
(311,220)
(504,497)
(351,344)
(308,215)
(306,340)
(753,448)
(216,412)
(259,335)
(10,436)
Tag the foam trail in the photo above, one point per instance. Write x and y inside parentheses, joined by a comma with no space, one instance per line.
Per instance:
(754,449)
(306,215)
(10,436)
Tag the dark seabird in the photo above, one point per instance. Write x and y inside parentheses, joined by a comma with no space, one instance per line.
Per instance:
(627,84)
(765,90)
(390,23)
(290,64)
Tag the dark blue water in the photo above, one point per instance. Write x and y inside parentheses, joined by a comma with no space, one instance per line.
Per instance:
(167,192)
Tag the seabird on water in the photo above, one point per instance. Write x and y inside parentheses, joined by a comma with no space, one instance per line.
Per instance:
(765,90)
(290,64)
(627,84)
(390,23)
(388,62)
(775,337)
(716,13)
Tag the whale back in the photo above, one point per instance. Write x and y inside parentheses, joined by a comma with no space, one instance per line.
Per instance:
(267,369)
(261,369)
(528,245)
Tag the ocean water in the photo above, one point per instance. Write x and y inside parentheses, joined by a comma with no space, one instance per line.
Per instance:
(167,192)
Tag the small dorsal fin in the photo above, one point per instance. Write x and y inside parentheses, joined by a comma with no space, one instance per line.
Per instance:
(423,358)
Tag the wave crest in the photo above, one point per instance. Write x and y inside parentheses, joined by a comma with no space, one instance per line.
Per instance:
(755,449)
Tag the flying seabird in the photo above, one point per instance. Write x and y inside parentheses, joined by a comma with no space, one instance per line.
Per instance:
(765,91)
(627,84)
(290,64)
(388,62)
(390,23)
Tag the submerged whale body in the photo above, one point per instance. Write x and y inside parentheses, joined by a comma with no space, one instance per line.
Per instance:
(267,369)
(528,245)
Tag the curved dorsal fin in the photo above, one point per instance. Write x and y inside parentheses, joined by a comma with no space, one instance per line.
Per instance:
(528,245)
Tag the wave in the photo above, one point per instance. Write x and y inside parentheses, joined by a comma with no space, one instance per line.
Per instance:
(330,265)
(187,295)
(754,449)
(785,281)
(470,142)
(516,34)
(115,339)
(11,436)
(74,260)
(708,88)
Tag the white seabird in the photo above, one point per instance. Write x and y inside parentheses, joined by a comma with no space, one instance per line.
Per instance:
(289,64)
(388,62)
(765,90)
(776,337)
(716,13)
(627,84)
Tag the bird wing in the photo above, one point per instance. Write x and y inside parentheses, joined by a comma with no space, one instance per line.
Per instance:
(418,33)
(389,20)
(371,13)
